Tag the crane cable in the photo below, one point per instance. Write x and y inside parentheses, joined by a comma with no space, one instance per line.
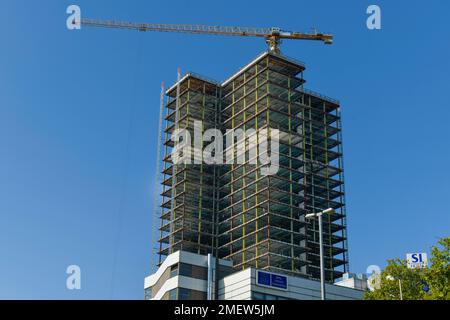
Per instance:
(125,173)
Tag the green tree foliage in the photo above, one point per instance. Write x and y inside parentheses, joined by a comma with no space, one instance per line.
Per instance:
(438,275)
(387,285)
(412,281)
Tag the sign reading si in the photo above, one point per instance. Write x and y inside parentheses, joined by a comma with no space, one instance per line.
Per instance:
(416,260)
(271,280)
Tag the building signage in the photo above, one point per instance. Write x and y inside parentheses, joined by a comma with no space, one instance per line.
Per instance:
(416,260)
(271,280)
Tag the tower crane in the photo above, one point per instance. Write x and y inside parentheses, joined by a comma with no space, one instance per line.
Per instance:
(272,35)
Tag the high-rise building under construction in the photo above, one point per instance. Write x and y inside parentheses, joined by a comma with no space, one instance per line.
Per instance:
(235,212)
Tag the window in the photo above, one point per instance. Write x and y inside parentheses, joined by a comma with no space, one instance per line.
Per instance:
(192,271)
(148,293)
(174,270)
(185,270)
(188,294)
(183,294)
(199,272)
(265,296)
(173,294)
(258,296)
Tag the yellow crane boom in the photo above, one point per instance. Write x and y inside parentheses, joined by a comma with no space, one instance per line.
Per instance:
(272,35)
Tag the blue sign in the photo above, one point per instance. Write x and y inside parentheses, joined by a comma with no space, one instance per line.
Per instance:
(264,278)
(279,281)
(271,280)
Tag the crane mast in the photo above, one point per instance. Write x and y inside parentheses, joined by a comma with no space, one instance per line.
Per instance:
(272,35)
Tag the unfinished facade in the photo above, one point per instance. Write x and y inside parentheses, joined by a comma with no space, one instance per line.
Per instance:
(234,210)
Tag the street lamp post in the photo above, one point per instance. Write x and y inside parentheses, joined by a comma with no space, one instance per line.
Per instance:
(322,271)
(391,278)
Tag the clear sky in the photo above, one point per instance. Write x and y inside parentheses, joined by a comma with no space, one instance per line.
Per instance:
(79,116)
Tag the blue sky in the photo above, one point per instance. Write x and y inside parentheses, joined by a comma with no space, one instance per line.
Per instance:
(79,115)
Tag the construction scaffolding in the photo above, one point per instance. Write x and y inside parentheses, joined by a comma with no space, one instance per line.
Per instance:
(188,189)
(235,211)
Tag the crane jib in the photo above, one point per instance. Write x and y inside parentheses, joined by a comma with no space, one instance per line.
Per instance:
(273,35)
